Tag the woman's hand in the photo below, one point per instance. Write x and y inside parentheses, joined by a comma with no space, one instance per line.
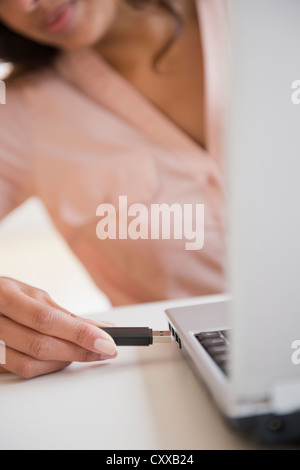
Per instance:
(41,337)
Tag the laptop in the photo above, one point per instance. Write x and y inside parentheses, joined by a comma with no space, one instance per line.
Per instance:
(245,345)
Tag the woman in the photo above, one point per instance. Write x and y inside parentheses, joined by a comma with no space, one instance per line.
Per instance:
(110,98)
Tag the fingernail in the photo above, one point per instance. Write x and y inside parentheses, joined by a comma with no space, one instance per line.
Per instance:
(105,347)
(105,335)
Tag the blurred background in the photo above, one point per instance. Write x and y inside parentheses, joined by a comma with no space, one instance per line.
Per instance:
(32,251)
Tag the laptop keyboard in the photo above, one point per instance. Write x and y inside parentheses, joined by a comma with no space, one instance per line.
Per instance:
(217,345)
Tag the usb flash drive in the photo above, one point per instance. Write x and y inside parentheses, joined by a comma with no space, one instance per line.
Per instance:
(137,336)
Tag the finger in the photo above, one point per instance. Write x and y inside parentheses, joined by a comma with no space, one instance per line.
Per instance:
(53,322)
(45,297)
(28,367)
(40,346)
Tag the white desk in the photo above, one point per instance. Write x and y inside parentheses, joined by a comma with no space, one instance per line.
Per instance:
(147,398)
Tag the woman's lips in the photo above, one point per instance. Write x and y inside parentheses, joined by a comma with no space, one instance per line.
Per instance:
(59,21)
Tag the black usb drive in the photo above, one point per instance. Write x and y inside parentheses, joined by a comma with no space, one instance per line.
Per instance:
(137,336)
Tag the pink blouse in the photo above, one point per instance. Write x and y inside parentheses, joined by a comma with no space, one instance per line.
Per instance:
(81,135)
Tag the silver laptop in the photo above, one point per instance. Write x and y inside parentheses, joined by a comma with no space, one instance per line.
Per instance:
(246,345)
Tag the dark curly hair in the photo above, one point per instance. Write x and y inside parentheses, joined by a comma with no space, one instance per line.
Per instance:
(27,55)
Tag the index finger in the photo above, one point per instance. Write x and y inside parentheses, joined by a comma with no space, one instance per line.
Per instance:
(52,321)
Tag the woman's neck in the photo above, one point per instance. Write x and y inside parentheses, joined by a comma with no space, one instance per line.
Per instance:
(137,35)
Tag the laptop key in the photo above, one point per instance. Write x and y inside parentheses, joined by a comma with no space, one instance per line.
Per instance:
(217,346)
(217,350)
(207,343)
(208,335)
